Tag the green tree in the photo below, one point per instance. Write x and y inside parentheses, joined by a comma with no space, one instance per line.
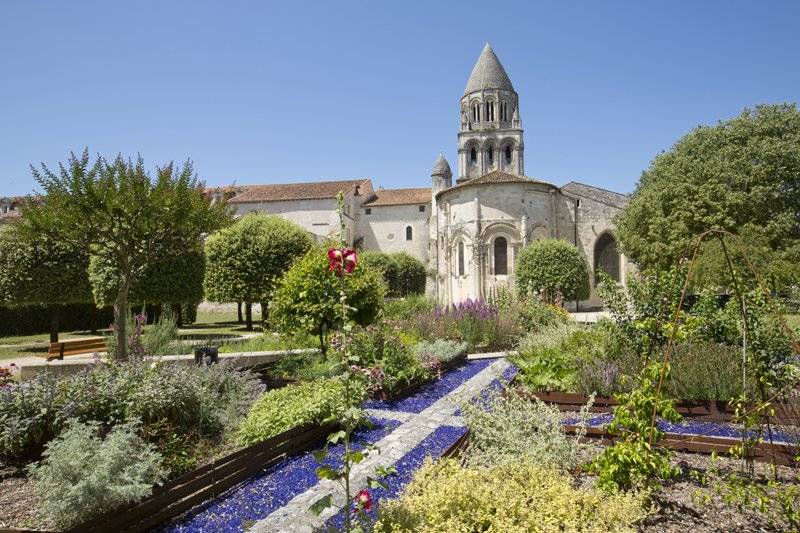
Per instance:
(741,175)
(170,277)
(246,259)
(403,273)
(308,297)
(36,269)
(117,206)
(553,268)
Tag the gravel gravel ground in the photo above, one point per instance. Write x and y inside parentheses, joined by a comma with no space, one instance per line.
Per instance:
(18,501)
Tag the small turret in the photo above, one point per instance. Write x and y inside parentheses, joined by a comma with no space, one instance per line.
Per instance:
(441,175)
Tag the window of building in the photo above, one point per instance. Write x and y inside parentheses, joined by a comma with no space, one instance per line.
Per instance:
(476,112)
(409,233)
(490,155)
(500,256)
(422,209)
(473,156)
(490,111)
(503,111)
(508,154)
(368,211)
(460,258)
(606,257)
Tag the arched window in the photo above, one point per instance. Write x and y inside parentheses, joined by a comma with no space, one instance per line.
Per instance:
(473,156)
(508,154)
(476,112)
(503,111)
(490,155)
(490,111)
(500,256)
(460,258)
(606,257)
(409,233)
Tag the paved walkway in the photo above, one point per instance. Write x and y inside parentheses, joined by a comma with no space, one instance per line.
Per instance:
(414,428)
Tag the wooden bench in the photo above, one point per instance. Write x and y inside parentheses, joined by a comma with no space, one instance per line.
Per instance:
(78,346)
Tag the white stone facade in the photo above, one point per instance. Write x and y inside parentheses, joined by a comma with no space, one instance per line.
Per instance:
(468,233)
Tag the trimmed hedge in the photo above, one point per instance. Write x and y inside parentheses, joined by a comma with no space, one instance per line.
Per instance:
(403,273)
(35,319)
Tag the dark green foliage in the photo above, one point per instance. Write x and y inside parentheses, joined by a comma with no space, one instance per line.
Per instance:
(307,297)
(378,347)
(553,268)
(246,260)
(32,319)
(169,277)
(404,275)
(740,175)
(408,307)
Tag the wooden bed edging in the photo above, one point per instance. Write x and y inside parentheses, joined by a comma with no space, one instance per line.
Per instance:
(455,449)
(765,452)
(706,410)
(207,482)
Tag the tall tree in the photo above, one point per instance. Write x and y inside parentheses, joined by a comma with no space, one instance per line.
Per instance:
(741,175)
(36,269)
(116,206)
(245,260)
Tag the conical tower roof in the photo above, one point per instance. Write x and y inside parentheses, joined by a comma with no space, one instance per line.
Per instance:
(488,73)
(441,167)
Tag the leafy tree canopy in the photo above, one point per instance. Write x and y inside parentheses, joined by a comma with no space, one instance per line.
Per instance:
(741,175)
(119,207)
(403,273)
(246,259)
(552,268)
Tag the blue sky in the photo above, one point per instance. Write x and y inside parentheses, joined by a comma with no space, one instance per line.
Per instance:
(274,92)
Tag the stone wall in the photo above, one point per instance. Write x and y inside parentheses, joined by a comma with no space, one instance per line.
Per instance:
(384,229)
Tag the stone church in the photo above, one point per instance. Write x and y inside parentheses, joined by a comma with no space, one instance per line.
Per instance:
(468,232)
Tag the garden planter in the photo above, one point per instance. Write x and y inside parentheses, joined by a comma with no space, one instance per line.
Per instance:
(412,388)
(193,488)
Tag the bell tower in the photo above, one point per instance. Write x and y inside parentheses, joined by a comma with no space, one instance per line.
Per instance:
(490,131)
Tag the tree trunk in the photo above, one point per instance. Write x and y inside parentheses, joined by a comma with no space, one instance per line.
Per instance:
(177,314)
(55,315)
(264,315)
(248,312)
(239,311)
(323,347)
(121,311)
(158,310)
(93,320)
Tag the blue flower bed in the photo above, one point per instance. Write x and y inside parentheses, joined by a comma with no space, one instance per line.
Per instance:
(432,392)
(495,385)
(267,491)
(434,445)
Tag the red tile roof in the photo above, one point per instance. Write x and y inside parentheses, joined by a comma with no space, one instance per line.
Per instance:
(294,191)
(399,197)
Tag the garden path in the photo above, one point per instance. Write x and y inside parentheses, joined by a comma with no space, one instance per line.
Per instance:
(417,422)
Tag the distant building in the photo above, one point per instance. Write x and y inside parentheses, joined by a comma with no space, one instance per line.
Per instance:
(468,233)
(9,208)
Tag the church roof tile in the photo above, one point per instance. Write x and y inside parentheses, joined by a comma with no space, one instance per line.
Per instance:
(399,197)
(488,73)
(294,191)
(605,196)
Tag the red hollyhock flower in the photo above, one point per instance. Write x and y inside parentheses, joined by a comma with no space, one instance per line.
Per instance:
(342,260)
(364,500)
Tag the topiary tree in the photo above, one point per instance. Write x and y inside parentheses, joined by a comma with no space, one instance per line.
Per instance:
(245,260)
(410,275)
(36,269)
(403,273)
(740,175)
(553,268)
(171,277)
(307,298)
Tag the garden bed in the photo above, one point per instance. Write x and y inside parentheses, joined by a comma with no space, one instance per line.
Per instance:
(193,488)
(707,410)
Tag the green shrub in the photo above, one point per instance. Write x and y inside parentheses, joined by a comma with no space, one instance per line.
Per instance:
(511,498)
(408,307)
(158,338)
(245,260)
(705,371)
(195,401)
(440,350)
(404,274)
(316,402)
(545,360)
(305,366)
(508,427)
(536,315)
(377,347)
(307,298)
(553,268)
(82,475)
